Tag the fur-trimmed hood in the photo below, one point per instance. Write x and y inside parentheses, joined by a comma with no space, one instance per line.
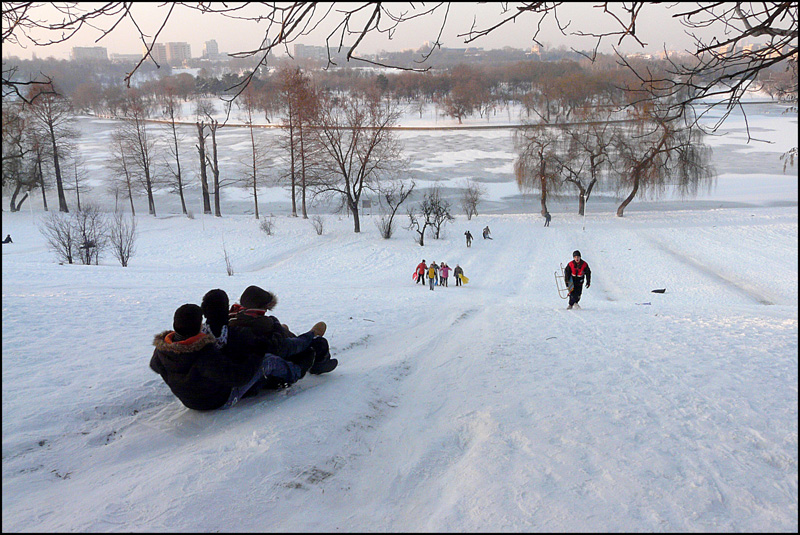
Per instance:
(163,342)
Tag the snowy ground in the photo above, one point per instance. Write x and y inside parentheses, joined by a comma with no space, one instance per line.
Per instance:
(482,408)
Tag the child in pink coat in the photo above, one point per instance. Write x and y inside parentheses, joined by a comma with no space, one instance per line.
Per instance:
(444,272)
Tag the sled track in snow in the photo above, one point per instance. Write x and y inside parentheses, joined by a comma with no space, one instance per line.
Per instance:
(749,291)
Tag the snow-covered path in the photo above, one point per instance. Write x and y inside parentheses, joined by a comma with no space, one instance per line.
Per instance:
(485,407)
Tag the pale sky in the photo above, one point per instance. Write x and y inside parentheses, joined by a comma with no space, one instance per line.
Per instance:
(655,27)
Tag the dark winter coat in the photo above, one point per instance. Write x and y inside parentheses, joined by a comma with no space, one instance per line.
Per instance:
(267,329)
(575,273)
(200,375)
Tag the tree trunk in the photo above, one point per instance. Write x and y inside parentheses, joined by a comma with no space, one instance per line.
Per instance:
(128,183)
(543,187)
(77,187)
(178,164)
(255,182)
(302,171)
(291,168)
(581,200)
(14,207)
(630,197)
(62,199)
(150,200)
(354,210)
(215,171)
(41,179)
(201,148)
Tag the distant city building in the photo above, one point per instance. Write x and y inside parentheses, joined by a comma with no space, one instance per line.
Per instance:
(177,53)
(80,53)
(320,53)
(124,58)
(158,52)
(210,49)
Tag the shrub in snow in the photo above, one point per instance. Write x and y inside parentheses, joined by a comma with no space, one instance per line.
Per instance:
(123,238)
(318,222)
(267,225)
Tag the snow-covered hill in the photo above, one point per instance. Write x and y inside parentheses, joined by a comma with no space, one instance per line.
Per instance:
(487,407)
(484,407)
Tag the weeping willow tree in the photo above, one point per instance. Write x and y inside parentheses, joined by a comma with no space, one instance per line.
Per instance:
(536,168)
(658,150)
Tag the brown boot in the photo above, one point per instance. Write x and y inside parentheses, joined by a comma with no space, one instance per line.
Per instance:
(319,328)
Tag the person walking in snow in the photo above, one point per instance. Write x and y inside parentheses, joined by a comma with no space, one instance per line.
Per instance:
(432,269)
(421,270)
(444,272)
(468,234)
(457,274)
(574,274)
(487,234)
(547,219)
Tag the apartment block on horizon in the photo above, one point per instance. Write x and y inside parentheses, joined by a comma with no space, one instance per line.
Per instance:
(81,53)
(177,53)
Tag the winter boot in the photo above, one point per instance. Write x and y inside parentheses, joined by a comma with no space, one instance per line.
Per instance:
(323,363)
(577,306)
(304,359)
(327,365)
(319,328)
(569,307)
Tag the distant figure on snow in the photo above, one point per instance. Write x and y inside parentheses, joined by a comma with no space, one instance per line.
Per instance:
(468,234)
(547,219)
(420,274)
(8,239)
(487,234)
(574,275)
(457,273)
(444,272)
(433,270)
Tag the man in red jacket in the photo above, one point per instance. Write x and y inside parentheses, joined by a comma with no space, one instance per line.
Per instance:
(421,269)
(574,275)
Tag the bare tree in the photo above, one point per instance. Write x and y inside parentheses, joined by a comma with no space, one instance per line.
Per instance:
(359,147)
(414,222)
(212,160)
(434,213)
(91,230)
(471,196)
(203,109)
(170,110)
(121,175)
(287,82)
(585,151)
(39,155)
(301,104)
(658,148)
(78,165)
(395,194)
(536,167)
(140,144)
(57,230)
(248,105)
(52,115)
(123,237)
(21,155)
(439,209)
